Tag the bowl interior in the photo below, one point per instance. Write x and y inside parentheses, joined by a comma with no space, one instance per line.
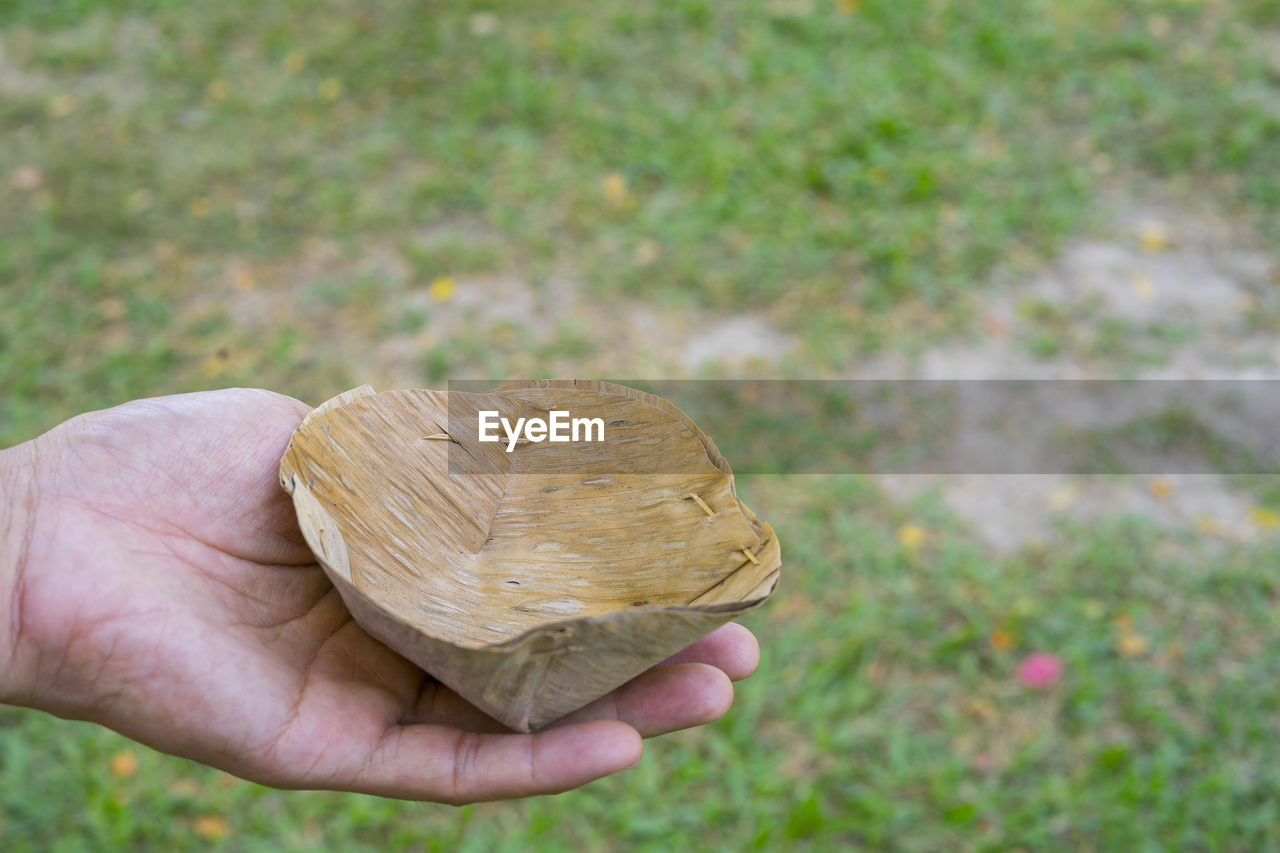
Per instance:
(535,537)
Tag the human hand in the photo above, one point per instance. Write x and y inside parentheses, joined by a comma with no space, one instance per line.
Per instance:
(156,582)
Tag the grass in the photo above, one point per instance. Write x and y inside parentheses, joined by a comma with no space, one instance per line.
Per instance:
(903,728)
(869,166)
(303,196)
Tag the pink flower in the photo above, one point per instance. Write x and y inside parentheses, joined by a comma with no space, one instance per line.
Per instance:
(1040,670)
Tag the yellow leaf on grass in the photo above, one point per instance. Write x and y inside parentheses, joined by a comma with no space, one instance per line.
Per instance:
(242,280)
(212,827)
(911,536)
(615,189)
(1131,645)
(982,708)
(1153,237)
(330,89)
(1160,488)
(1001,640)
(122,765)
(1267,519)
(441,289)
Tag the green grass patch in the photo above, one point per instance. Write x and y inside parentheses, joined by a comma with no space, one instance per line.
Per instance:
(200,195)
(883,717)
(787,156)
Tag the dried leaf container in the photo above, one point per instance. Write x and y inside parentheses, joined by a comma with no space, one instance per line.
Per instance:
(535,581)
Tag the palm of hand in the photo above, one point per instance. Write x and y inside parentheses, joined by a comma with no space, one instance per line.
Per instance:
(170,596)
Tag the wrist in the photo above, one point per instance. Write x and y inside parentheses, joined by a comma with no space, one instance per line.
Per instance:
(17,520)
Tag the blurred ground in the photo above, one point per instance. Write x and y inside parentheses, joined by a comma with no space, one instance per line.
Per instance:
(552,320)
(1157,293)
(309,196)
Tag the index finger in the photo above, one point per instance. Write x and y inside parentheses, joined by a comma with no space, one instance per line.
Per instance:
(440,764)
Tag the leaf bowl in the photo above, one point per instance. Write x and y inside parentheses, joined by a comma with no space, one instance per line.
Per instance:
(534,581)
